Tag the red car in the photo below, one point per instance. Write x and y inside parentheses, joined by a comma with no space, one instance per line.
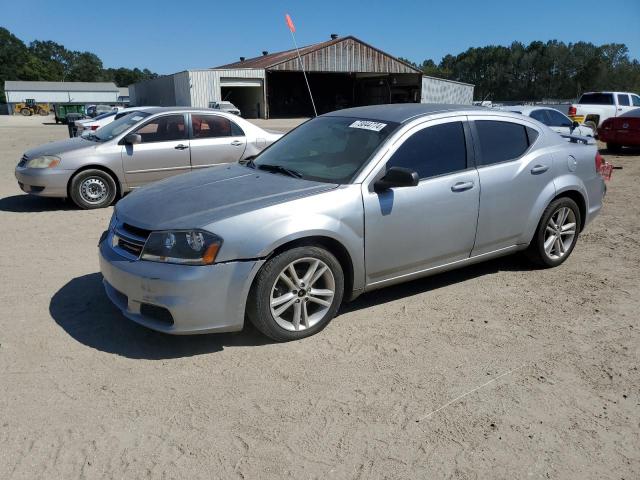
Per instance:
(622,131)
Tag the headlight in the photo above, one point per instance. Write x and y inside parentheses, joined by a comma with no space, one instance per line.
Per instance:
(190,247)
(46,161)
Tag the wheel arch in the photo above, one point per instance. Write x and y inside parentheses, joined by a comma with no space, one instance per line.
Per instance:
(333,246)
(577,197)
(106,170)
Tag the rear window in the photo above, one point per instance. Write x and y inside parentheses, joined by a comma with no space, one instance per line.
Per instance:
(597,99)
(503,141)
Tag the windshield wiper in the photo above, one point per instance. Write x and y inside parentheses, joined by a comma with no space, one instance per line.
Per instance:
(279,169)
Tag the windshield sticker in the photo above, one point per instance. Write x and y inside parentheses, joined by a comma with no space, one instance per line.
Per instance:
(368,125)
(137,118)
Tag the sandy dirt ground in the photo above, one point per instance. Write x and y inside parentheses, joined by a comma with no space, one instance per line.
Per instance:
(553,356)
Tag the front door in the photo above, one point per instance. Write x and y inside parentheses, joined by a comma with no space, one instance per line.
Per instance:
(163,151)
(512,179)
(215,139)
(412,229)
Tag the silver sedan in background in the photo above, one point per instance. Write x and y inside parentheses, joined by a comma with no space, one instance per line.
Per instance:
(348,202)
(139,148)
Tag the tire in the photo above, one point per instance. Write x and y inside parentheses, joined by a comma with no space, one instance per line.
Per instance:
(25,112)
(556,253)
(614,148)
(43,113)
(93,188)
(296,299)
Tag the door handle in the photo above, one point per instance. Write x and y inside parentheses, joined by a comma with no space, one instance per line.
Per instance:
(181,146)
(539,169)
(461,186)
(236,143)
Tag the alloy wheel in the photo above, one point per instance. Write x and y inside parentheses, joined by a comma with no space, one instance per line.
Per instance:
(302,294)
(559,233)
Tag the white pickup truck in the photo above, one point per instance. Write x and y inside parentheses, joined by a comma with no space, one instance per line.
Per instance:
(593,108)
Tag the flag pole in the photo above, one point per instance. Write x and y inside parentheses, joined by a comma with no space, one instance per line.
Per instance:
(293,37)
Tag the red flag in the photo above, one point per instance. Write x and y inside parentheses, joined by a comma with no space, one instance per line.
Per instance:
(290,23)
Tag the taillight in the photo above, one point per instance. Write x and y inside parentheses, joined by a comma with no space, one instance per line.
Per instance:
(94,127)
(599,162)
(572,110)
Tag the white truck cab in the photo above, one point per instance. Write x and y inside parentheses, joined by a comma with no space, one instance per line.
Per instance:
(593,108)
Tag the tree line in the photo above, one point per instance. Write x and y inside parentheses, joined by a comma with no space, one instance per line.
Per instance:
(50,61)
(551,70)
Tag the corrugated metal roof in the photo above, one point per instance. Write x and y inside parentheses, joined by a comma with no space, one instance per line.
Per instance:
(19,85)
(272,60)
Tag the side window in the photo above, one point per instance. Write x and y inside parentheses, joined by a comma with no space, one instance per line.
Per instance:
(502,141)
(432,151)
(163,129)
(636,100)
(214,126)
(541,116)
(558,119)
(623,100)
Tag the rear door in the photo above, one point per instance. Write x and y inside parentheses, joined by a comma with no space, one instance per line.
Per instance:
(624,103)
(215,139)
(512,177)
(164,150)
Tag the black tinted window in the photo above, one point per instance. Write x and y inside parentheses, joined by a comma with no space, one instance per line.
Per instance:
(163,129)
(558,119)
(501,141)
(623,100)
(636,100)
(212,126)
(596,99)
(433,151)
(540,115)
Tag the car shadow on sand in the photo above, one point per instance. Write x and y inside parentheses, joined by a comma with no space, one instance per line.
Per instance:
(28,203)
(512,263)
(83,310)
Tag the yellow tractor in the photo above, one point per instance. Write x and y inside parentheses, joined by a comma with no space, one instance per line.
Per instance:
(30,107)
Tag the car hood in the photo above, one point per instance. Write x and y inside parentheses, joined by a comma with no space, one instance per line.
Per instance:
(197,199)
(57,148)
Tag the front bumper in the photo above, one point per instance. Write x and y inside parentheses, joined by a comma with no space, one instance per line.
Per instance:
(200,299)
(44,182)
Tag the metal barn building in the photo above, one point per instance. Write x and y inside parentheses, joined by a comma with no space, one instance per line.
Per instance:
(342,72)
(61,92)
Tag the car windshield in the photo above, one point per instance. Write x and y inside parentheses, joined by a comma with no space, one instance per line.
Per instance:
(116,127)
(326,149)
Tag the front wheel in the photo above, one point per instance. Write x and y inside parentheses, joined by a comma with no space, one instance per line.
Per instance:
(296,293)
(557,233)
(25,112)
(93,189)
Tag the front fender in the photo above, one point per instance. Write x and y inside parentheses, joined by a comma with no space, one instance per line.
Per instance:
(336,215)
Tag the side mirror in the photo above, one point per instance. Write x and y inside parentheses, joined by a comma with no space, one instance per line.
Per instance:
(574,125)
(397,177)
(132,139)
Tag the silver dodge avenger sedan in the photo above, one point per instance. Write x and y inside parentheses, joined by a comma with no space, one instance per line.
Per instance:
(348,202)
(137,149)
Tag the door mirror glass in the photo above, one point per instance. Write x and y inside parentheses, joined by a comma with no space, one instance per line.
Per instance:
(132,139)
(574,125)
(397,177)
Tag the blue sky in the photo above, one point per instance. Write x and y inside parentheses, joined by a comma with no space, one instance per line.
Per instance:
(169,36)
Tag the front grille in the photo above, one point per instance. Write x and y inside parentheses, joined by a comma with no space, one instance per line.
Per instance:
(129,240)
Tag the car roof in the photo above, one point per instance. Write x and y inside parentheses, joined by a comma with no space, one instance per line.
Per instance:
(526,109)
(404,112)
(154,110)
